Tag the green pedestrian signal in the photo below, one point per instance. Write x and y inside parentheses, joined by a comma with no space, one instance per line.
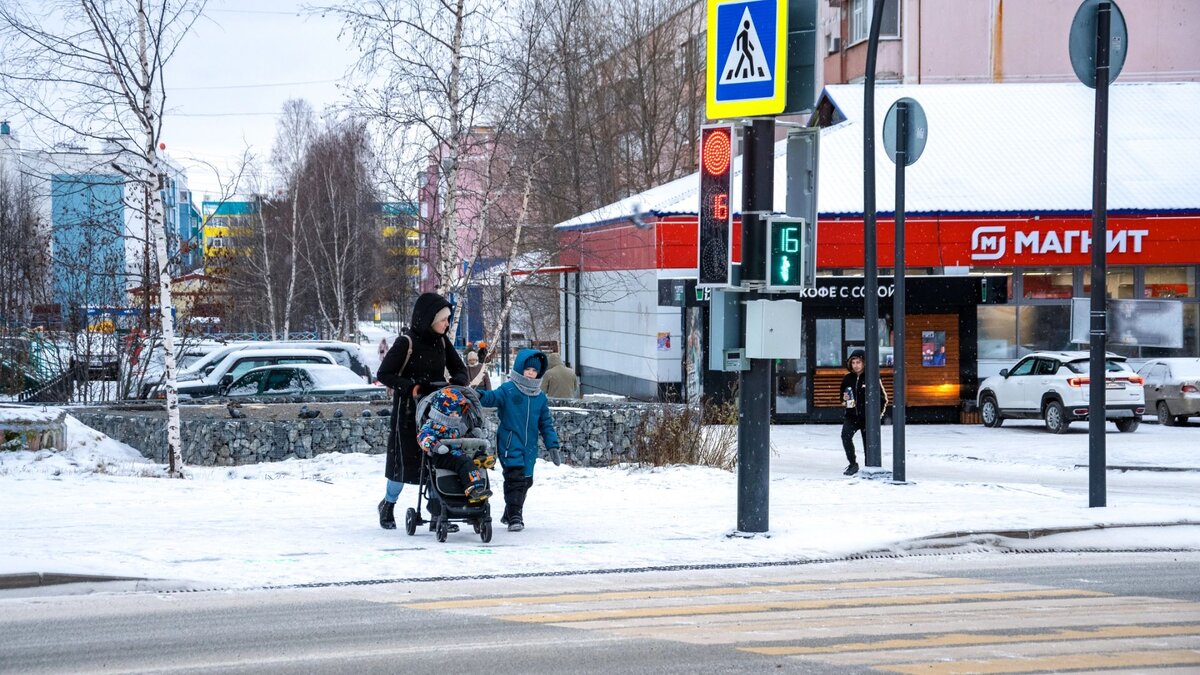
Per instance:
(791,254)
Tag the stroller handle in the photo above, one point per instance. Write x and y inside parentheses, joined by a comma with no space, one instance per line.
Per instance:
(464,443)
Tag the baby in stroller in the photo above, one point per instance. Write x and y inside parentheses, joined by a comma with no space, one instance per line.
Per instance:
(447,418)
(455,462)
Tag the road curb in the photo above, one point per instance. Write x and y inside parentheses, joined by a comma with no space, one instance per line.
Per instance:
(35,579)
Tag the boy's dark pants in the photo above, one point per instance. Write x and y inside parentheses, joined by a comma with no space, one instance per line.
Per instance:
(850,426)
(516,484)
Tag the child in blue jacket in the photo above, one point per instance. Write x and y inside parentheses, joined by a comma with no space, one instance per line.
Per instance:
(524,412)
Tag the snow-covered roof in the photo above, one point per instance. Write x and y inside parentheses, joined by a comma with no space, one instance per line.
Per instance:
(992,148)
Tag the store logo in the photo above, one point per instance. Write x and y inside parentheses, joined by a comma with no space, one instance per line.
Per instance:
(988,242)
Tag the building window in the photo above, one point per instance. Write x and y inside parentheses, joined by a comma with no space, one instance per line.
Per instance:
(1120,283)
(1170,282)
(1044,327)
(860,19)
(997,331)
(1047,284)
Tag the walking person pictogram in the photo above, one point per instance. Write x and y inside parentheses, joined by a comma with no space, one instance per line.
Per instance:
(746,61)
(743,44)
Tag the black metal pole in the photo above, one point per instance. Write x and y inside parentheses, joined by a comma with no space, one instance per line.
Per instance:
(872,454)
(898,309)
(754,392)
(1097,459)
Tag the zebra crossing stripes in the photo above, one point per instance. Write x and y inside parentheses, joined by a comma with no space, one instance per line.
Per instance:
(925,624)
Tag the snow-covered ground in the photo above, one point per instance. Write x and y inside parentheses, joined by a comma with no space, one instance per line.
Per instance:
(99,508)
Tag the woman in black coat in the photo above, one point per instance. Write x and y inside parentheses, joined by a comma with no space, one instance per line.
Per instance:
(421,356)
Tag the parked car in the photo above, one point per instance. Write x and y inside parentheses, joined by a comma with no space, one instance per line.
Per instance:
(1053,386)
(1172,389)
(241,361)
(305,379)
(99,353)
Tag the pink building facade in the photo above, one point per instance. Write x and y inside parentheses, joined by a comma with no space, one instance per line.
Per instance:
(940,41)
(483,207)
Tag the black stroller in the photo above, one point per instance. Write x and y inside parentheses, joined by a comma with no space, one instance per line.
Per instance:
(441,488)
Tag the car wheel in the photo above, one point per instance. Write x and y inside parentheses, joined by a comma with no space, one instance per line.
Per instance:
(1056,418)
(989,412)
(1128,425)
(1165,417)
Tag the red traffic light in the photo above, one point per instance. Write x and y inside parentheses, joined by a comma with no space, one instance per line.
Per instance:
(716,151)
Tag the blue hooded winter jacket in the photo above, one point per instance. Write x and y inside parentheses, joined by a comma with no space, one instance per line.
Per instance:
(521,416)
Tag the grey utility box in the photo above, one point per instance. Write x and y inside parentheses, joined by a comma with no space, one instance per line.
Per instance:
(773,329)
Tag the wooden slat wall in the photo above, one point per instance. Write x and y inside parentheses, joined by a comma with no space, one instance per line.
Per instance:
(931,386)
(827,384)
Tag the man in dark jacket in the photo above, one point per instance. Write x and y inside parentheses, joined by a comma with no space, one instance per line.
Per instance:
(419,359)
(854,400)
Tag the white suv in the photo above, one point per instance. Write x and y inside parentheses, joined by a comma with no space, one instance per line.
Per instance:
(1053,386)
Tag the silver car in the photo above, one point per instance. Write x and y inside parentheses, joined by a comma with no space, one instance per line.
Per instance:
(1173,389)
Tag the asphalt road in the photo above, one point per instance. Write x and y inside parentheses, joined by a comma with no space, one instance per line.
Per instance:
(936,614)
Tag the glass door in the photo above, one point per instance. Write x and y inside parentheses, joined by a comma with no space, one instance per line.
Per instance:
(791,384)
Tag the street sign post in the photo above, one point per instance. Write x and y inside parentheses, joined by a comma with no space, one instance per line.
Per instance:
(1097,46)
(747,58)
(904,134)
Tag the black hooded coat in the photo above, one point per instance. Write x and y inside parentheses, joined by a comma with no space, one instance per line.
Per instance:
(431,357)
(854,389)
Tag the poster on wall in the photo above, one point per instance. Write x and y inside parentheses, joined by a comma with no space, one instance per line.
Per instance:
(933,348)
(664,341)
(693,356)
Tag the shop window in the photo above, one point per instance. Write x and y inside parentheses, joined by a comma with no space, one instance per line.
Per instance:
(1044,327)
(1120,282)
(1047,284)
(997,331)
(1169,282)
(829,343)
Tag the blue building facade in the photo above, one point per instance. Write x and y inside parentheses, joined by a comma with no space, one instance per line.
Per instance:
(88,241)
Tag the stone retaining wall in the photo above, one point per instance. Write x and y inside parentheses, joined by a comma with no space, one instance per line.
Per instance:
(591,433)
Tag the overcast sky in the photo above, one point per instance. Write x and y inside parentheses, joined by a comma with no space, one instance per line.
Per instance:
(232,74)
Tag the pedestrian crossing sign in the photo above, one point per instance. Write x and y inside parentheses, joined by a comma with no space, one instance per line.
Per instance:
(747,58)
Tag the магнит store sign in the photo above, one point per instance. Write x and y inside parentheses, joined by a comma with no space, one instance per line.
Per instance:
(1046,241)
(1068,241)
(991,242)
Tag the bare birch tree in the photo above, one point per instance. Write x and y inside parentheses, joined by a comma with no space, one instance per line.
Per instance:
(95,69)
(428,74)
(294,134)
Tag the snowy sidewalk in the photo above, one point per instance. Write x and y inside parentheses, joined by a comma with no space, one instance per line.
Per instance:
(99,509)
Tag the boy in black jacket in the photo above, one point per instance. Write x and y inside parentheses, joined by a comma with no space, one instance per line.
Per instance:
(854,399)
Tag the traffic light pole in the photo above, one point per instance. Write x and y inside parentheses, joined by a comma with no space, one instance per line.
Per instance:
(754,390)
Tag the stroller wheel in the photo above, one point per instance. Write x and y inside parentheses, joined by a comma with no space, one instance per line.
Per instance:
(485,531)
(477,527)
(410,521)
(442,531)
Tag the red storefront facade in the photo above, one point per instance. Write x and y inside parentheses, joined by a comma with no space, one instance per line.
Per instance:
(1044,258)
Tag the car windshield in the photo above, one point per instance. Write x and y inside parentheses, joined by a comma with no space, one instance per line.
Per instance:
(335,377)
(1110,365)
